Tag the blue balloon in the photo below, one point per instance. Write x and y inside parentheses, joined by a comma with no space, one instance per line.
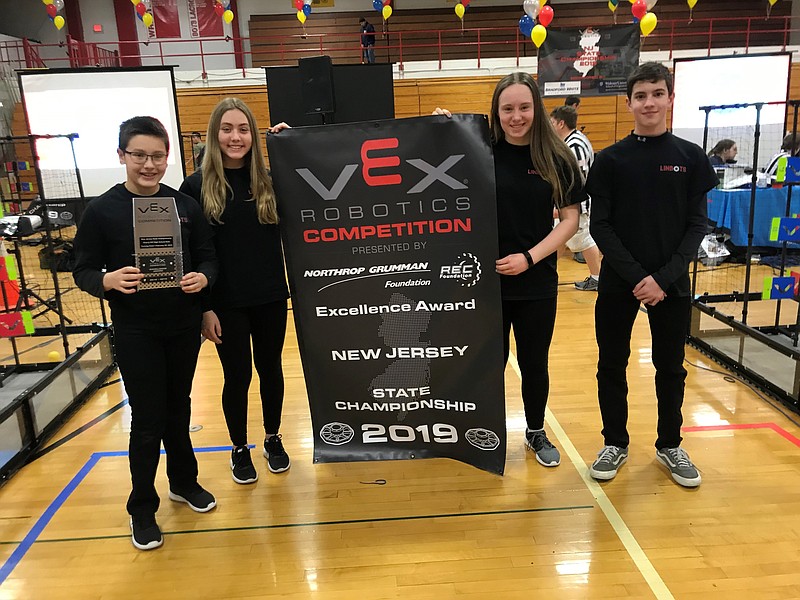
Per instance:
(377,5)
(306,9)
(635,20)
(526,25)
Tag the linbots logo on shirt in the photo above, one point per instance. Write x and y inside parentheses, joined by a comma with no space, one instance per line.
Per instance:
(673,168)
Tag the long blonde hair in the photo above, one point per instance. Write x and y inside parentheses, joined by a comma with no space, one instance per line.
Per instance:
(216,188)
(551,157)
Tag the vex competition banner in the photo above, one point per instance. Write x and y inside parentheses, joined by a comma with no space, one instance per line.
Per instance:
(390,231)
(591,62)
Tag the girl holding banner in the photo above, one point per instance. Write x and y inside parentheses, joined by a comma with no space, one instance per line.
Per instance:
(534,172)
(248,302)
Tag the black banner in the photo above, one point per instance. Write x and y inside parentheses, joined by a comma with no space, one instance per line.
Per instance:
(390,231)
(595,61)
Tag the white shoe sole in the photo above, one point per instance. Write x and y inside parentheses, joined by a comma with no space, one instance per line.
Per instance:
(606,475)
(201,509)
(243,481)
(271,470)
(150,546)
(689,483)
(539,460)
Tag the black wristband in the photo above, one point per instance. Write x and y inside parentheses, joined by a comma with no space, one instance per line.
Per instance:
(529,258)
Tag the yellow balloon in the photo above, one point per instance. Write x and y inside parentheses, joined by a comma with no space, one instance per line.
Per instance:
(613,7)
(58,22)
(538,35)
(47,2)
(147,19)
(301,16)
(135,2)
(772,2)
(459,10)
(691,3)
(648,23)
(227,16)
(386,12)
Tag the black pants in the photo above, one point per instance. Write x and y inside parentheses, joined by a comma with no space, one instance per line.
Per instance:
(266,326)
(158,370)
(669,322)
(533,322)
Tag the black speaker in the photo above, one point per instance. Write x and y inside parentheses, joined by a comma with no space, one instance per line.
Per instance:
(316,85)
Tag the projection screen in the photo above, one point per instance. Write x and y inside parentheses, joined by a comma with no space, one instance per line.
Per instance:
(93,103)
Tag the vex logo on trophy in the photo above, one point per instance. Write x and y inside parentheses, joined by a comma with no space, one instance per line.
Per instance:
(157,242)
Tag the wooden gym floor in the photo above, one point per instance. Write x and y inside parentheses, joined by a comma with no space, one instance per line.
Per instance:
(437,528)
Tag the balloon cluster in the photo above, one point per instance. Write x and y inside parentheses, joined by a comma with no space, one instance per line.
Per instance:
(460,8)
(141,12)
(53,7)
(223,10)
(384,7)
(536,10)
(641,12)
(303,10)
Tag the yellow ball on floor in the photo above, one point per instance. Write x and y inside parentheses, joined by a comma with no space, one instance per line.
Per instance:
(54,356)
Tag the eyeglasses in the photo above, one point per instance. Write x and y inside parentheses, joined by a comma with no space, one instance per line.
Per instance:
(158,158)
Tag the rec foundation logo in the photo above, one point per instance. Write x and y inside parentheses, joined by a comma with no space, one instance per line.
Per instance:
(466,270)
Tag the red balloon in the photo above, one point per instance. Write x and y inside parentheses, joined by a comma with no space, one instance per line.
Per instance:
(387,2)
(219,9)
(52,10)
(465,2)
(298,4)
(141,9)
(545,14)
(639,9)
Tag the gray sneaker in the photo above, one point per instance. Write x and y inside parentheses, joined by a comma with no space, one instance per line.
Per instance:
(547,454)
(608,462)
(680,466)
(587,285)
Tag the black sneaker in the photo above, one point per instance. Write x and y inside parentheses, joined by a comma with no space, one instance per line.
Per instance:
(145,533)
(277,459)
(198,499)
(242,466)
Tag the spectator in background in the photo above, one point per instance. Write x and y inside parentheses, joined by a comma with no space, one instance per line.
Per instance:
(198,149)
(573,101)
(724,152)
(789,147)
(367,41)
(565,122)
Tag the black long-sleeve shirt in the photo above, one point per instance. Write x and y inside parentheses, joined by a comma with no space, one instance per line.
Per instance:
(251,270)
(649,210)
(104,241)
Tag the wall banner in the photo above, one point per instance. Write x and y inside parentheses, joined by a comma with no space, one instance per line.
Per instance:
(203,21)
(165,19)
(390,231)
(595,61)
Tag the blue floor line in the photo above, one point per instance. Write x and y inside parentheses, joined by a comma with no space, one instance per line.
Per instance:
(17,555)
(10,564)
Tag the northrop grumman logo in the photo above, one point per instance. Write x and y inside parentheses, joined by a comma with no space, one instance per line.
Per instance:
(466,270)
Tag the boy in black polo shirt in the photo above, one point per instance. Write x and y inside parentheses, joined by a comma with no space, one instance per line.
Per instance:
(648,217)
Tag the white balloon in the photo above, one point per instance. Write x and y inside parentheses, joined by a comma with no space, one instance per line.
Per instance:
(59,4)
(531,8)
(651,4)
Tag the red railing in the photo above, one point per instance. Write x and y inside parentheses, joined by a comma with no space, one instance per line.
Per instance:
(83,54)
(32,58)
(476,44)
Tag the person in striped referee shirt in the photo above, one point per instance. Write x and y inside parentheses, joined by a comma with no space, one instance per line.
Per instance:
(565,122)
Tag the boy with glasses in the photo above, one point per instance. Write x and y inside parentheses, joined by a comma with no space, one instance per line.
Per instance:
(156,331)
